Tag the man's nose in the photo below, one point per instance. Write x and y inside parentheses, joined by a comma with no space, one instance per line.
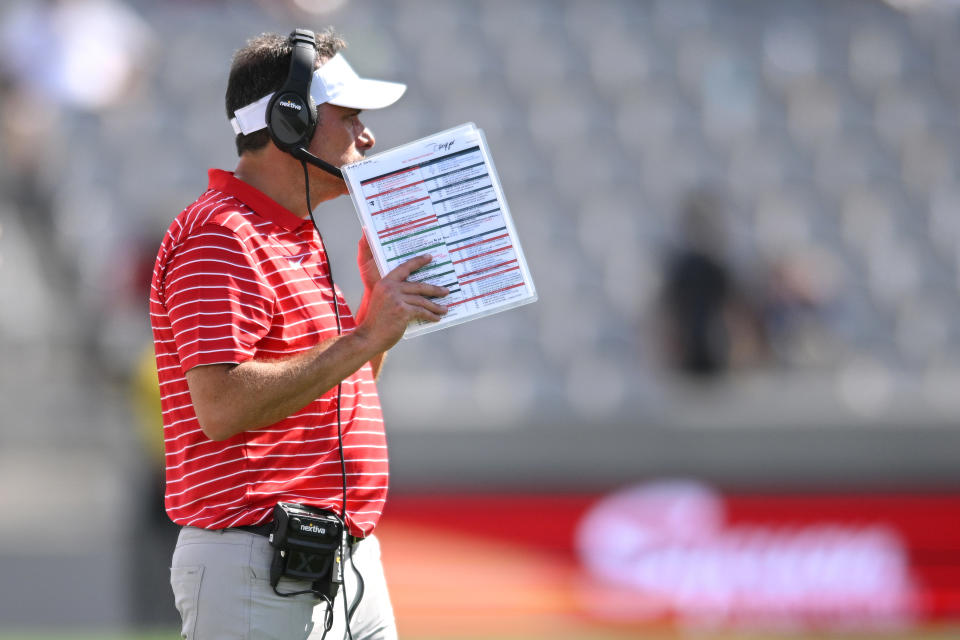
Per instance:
(366,140)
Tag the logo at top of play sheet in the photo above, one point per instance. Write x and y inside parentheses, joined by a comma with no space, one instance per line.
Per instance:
(440,146)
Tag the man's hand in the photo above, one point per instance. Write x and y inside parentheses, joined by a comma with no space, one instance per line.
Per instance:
(392,303)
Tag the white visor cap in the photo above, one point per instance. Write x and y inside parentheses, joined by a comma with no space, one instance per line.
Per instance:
(335,82)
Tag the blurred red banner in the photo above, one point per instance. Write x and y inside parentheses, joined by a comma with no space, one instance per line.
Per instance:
(673,553)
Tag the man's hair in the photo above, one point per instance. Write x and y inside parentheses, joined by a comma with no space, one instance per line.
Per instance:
(260,68)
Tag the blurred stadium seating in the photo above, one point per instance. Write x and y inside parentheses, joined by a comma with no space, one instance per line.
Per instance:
(830,128)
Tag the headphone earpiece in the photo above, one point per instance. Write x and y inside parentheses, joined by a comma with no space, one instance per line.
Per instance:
(292,114)
(290,122)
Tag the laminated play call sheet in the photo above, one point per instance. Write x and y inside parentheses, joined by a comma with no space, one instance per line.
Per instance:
(440,195)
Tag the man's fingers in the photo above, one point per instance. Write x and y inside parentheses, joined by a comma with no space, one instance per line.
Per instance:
(423,303)
(424,289)
(364,247)
(428,316)
(422,313)
(403,271)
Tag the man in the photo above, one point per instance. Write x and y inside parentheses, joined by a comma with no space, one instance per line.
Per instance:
(267,380)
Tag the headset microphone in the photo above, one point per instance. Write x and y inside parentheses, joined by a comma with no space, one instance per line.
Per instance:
(292,113)
(305,156)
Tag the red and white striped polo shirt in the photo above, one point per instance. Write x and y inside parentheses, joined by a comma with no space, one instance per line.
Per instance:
(239,277)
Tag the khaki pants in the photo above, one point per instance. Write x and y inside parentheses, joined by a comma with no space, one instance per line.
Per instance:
(221,585)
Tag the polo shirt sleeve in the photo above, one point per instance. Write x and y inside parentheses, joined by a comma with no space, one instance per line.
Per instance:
(218,301)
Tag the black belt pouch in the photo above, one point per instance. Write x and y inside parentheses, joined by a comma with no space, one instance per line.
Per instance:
(307,545)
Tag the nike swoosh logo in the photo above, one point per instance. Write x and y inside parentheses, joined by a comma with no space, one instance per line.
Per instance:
(298,260)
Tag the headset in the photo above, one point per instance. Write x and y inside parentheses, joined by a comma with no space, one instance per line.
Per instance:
(292,112)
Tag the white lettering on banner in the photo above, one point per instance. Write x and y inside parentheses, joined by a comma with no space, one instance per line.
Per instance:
(669,544)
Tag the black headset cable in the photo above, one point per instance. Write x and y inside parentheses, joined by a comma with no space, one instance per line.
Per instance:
(348,551)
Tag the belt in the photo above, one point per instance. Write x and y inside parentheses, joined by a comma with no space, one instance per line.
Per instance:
(266,529)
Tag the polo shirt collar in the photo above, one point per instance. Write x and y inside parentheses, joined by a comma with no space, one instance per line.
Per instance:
(262,204)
